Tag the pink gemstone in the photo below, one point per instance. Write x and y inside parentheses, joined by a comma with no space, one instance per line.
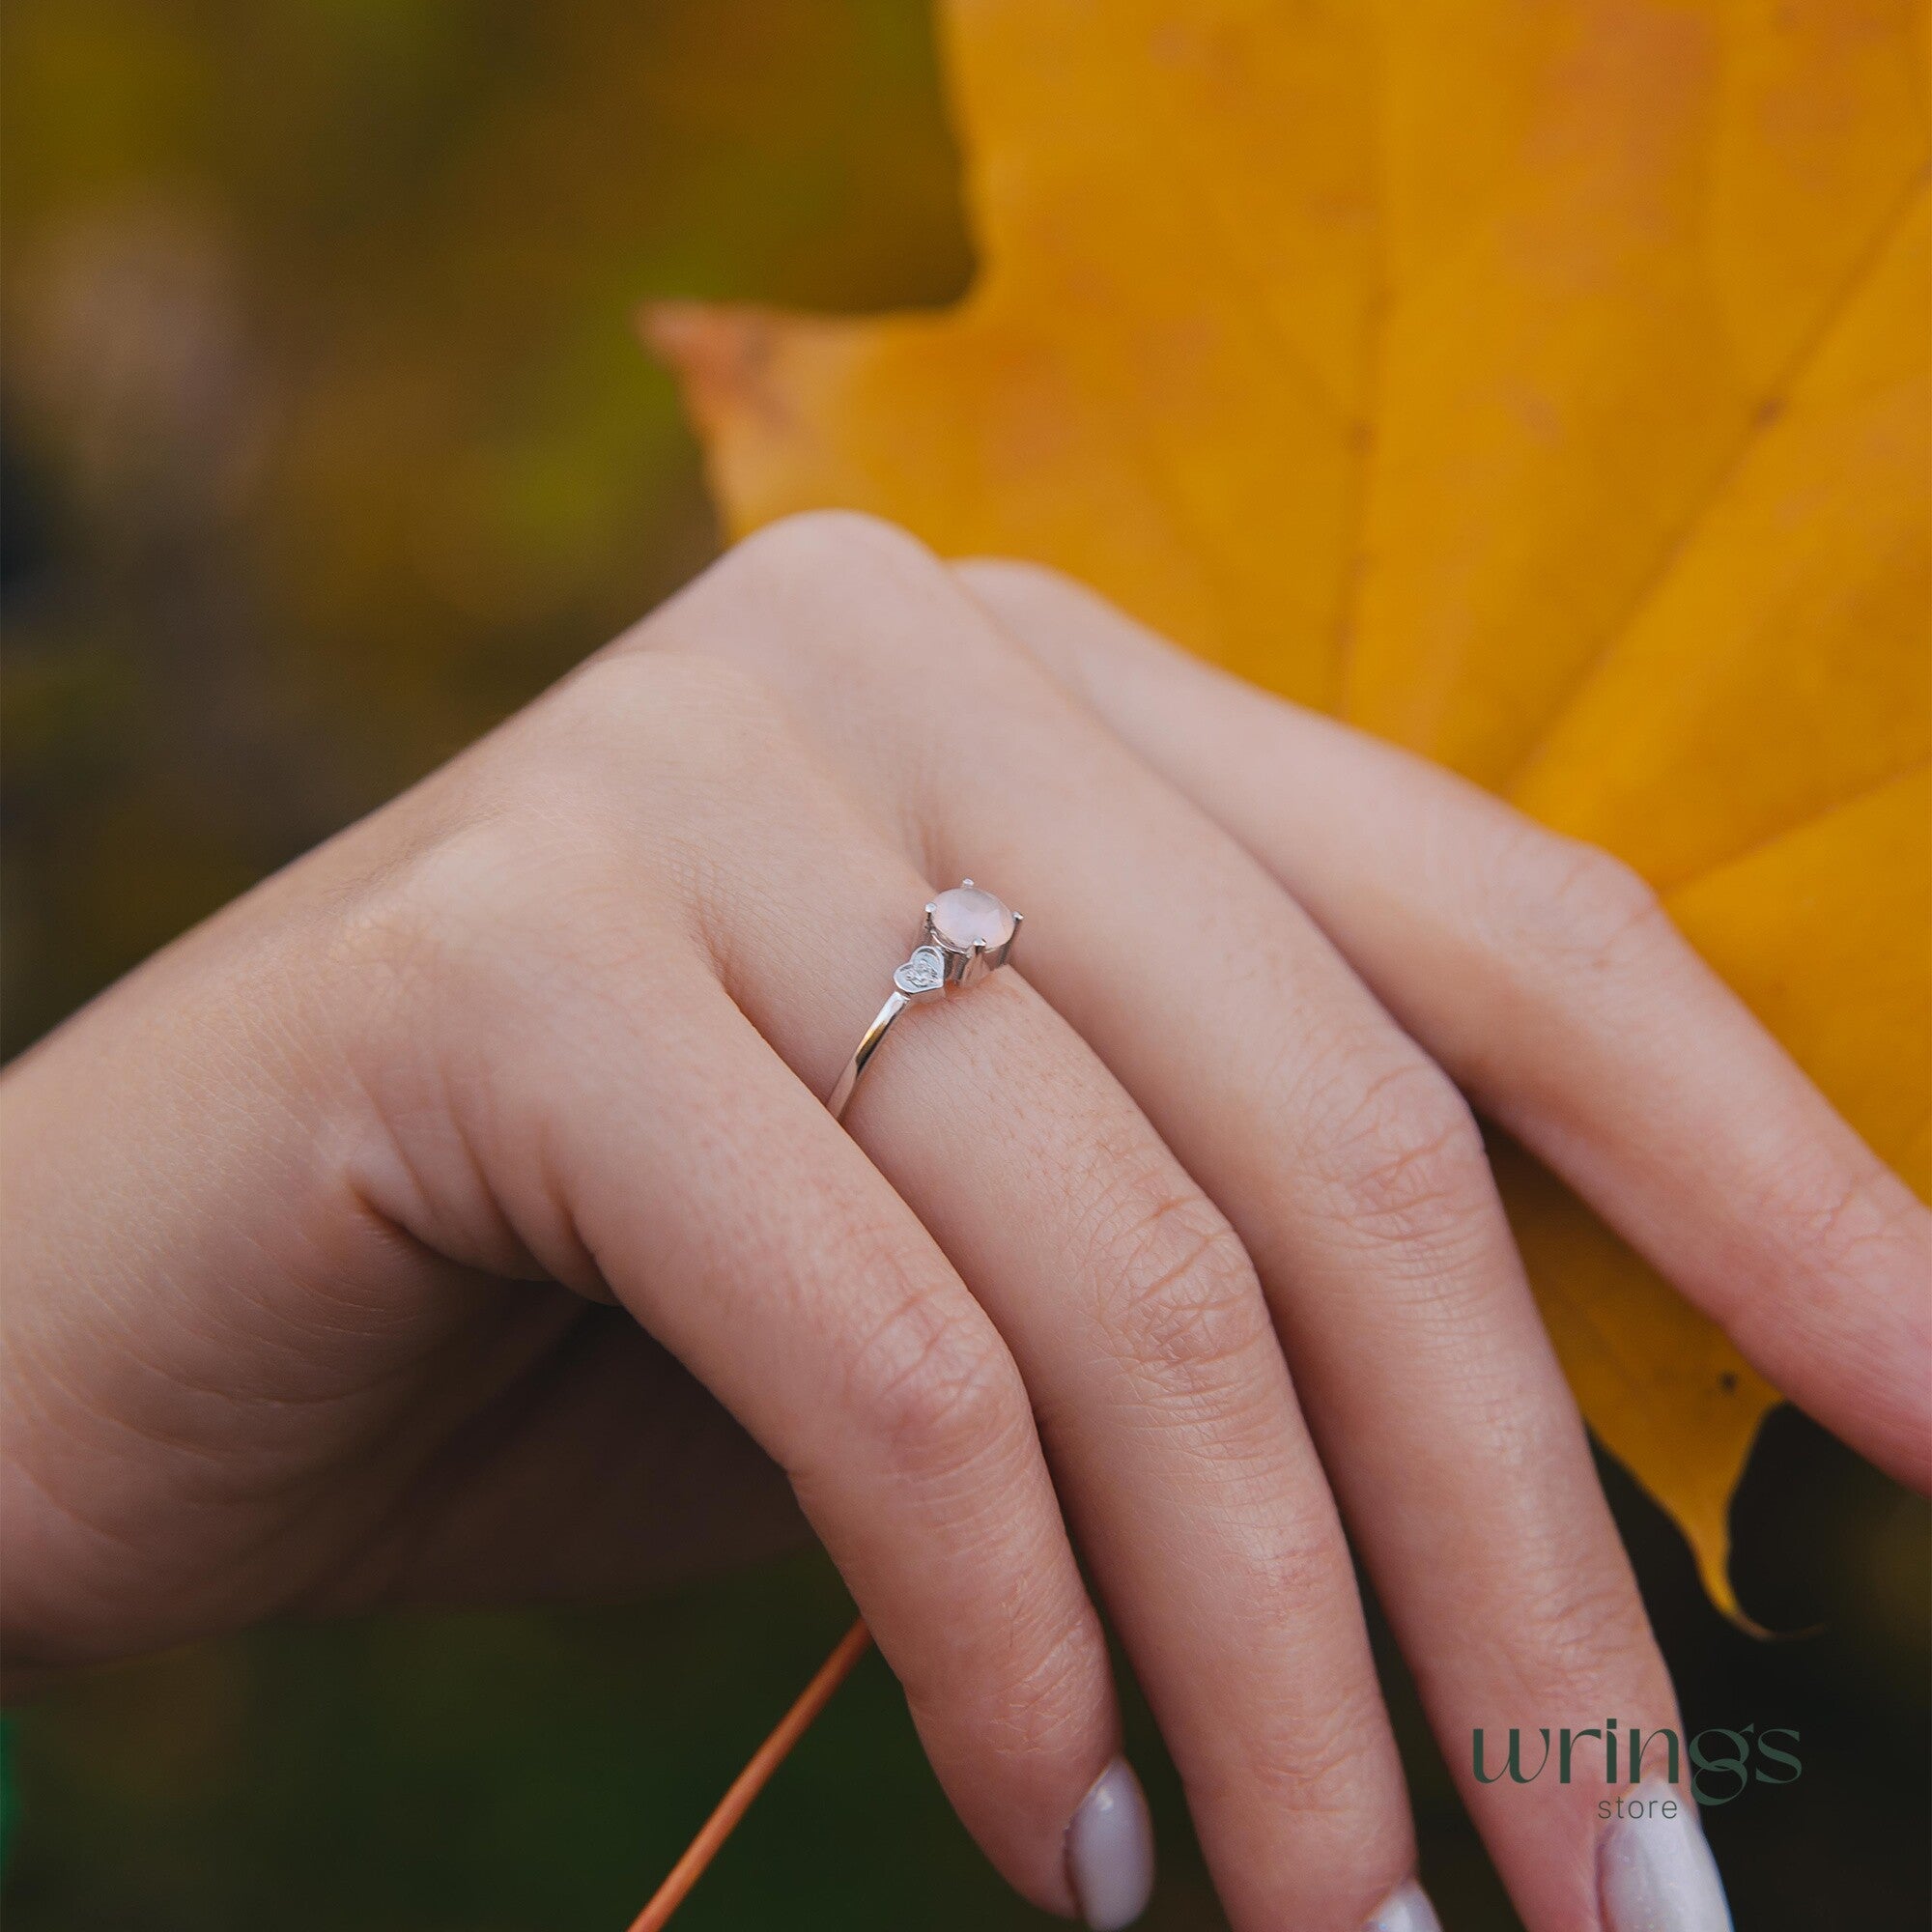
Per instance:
(966,917)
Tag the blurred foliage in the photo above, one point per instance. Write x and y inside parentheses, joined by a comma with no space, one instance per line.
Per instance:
(327,441)
(328,432)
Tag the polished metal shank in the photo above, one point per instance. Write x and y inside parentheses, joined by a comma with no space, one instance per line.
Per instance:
(969,933)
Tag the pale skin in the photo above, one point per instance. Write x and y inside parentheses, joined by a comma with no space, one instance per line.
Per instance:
(456,1218)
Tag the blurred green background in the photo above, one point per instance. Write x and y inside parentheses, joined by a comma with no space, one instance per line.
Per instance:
(327,440)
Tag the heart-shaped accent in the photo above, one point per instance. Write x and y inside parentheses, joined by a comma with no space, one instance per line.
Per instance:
(923,972)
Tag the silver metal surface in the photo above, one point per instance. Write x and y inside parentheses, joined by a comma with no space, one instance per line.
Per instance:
(935,965)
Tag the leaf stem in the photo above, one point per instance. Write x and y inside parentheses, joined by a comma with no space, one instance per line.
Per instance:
(750,1781)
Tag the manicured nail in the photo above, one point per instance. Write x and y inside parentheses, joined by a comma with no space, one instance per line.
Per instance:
(1110,1850)
(1406,1909)
(1655,1872)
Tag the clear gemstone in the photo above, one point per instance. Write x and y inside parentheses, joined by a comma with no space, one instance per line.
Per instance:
(966,917)
(923,971)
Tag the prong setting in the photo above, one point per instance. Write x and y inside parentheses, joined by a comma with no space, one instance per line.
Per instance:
(973,929)
(969,933)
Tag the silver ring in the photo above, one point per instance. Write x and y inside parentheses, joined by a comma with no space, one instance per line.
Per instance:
(968,934)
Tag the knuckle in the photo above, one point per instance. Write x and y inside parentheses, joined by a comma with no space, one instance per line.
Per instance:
(529,855)
(1315,1763)
(720,753)
(1407,1156)
(841,544)
(1019,582)
(675,709)
(835,593)
(1584,1628)
(937,1389)
(1053,1701)
(1849,1228)
(1301,1567)
(521,917)
(1029,1706)
(461,887)
(1185,1309)
(1577,911)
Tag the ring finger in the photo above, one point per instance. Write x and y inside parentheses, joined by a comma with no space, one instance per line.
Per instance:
(1155,1376)
(1156,1382)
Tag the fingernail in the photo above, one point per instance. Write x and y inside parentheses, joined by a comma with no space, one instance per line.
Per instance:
(1406,1909)
(1655,1872)
(1110,1850)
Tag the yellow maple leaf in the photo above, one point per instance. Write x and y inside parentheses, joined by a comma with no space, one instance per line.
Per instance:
(1540,384)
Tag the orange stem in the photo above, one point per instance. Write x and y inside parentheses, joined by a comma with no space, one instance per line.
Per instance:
(750,1781)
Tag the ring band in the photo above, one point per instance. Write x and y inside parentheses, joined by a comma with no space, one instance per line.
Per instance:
(968,934)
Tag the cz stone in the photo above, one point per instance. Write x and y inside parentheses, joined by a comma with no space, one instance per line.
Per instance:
(965,917)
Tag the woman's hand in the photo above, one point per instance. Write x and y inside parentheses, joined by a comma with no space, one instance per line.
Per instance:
(313,1221)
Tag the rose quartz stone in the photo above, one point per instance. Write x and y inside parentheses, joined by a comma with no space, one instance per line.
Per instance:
(966,917)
